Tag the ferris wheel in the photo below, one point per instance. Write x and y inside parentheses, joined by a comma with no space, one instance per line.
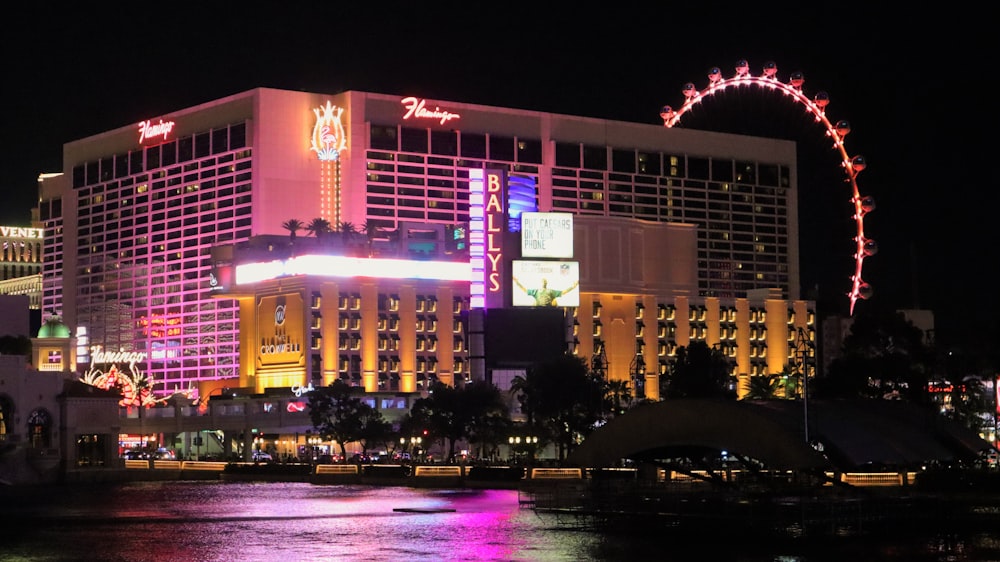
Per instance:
(852,165)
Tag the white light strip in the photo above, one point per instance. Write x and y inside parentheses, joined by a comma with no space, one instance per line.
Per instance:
(340,266)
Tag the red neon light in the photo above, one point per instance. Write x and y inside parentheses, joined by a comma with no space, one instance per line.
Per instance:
(817,107)
(416,108)
(148,131)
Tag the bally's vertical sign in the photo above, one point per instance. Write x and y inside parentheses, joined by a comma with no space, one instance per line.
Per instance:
(280,330)
(487,228)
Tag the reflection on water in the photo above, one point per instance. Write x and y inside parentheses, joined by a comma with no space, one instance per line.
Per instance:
(288,522)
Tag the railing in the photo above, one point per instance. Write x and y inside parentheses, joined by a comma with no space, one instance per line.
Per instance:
(551,473)
(435,470)
(336,469)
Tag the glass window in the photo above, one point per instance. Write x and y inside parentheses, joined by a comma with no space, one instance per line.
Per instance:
(473,145)
(568,155)
(595,157)
(623,161)
(501,148)
(444,142)
(529,151)
(384,137)
(413,140)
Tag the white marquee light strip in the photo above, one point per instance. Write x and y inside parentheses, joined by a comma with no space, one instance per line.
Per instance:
(339,266)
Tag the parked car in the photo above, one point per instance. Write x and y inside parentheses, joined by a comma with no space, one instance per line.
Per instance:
(136,455)
(261,456)
(164,454)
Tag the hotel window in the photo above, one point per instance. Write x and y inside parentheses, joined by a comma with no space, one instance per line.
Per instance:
(598,329)
(343,322)
(473,145)
(317,321)
(355,342)
(413,140)
(456,325)
(383,342)
(501,148)
(316,300)
(568,155)
(393,303)
(355,321)
(458,345)
(640,329)
(640,311)
(355,301)
(384,137)
(317,342)
(444,143)
(595,157)
(342,302)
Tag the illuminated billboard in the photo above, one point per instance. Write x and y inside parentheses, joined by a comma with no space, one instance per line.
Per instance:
(545,283)
(546,235)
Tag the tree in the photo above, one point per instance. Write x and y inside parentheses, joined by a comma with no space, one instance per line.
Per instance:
(458,413)
(371,231)
(293,226)
(884,356)
(763,387)
(374,430)
(338,413)
(319,228)
(563,399)
(698,371)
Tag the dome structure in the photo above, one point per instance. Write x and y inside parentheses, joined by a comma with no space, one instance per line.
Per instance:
(54,328)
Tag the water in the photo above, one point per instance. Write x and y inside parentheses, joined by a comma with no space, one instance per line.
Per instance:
(194,521)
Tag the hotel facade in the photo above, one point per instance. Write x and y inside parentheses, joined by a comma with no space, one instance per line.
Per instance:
(153,228)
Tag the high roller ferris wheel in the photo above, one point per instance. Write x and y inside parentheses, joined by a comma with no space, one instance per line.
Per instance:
(852,165)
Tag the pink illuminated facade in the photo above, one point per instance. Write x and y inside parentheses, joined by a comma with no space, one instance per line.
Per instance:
(674,226)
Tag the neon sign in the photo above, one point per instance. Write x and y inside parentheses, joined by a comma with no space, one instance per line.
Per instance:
(298,391)
(328,137)
(149,131)
(98,355)
(487,219)
(417,108)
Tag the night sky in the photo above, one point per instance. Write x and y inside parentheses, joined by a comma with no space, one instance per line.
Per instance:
(906,81)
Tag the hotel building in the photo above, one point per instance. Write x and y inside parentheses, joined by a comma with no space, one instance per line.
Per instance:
(678,235)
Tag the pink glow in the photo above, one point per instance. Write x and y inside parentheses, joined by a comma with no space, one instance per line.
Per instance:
(852,165)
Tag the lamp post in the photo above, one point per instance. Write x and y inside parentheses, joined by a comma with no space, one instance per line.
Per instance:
(638,368)
(314,443)
(522,446)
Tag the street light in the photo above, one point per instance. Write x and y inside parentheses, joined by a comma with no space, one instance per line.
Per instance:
(314,442)
(524,446)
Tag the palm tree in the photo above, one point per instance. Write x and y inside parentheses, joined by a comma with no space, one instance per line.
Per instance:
(763,387)
(319,227)
(371,230)
(293,226)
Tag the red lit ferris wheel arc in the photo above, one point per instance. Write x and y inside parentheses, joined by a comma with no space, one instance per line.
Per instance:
(816,106)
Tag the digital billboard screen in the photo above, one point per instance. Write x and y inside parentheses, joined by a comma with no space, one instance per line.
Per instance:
(545,283)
